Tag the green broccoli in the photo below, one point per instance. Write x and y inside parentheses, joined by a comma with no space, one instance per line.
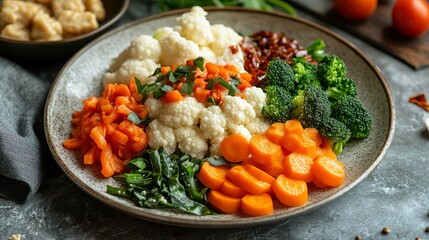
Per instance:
(305,73)
(278,105)
(346,86)
(331,71)
(354,115)
(279,73)
(336,132)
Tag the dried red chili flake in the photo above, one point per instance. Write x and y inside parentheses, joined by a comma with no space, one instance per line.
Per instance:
(420,100)
(261,47)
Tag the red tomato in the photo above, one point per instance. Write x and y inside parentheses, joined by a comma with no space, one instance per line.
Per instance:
(355,10)
(410,17)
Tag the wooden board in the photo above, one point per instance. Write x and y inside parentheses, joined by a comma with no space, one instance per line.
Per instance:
(377,30)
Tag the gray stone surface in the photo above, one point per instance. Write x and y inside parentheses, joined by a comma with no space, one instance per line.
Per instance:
(396,194)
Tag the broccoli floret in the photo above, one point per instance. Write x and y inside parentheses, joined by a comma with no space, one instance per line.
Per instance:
(311,106)
(336,132)
(354,115)
(331,71)
(278,105)
(279,73)
(346,86)
(305,74)
(317,49)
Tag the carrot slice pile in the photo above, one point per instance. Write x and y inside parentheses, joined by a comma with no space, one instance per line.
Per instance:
(102,131)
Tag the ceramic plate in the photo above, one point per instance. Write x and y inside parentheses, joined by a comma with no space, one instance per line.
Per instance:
(81,78)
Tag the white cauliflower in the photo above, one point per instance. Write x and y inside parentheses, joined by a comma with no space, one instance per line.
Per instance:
(153,106)
(237,110)
(258,125)
(161,33)
(208,54)
(239,129)
(212,122)
(140,69)
(257,98)
(177,49)
(194,26)
(215,145)
(185,113)
(225,37)
(141,48)
(191,141)
(160,135)
(232,58)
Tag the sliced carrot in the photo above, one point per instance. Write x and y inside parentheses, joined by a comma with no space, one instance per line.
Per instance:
(275,168)
(298,166)
(98,137)
(289,191)
(119,137)
(90,156)
(329,171)
(257,205)
(263,150)
(326,149)
(230,189)
(212,176)
(172,96)
(224,203)
(293,126)
(107,162)
(250,161)
(243,179)
(259,174)
(73,143)
(235,148)
(276,132)
(318,183)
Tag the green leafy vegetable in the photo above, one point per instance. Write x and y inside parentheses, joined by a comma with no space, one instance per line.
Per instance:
(133,117)
(159,180)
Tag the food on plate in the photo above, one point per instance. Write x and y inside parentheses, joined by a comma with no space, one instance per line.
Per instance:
(231,123)
(49,20)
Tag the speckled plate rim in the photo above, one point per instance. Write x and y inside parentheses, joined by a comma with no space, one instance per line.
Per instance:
(200,221)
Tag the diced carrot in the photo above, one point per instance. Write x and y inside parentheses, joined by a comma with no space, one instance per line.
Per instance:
(122,90)
(119,137)
(224,203)
(243,179)
(73,143)
(246,76)
(90,156)
(243,85)
(235,148)
(97,136)
(132,85)
(165,69)
(257,205)
(212,68)
(172,96)
(329,171)
(201,95)
(230,189)
(212,176)
(297,166)
(263,150)
(276,132)
(289,191)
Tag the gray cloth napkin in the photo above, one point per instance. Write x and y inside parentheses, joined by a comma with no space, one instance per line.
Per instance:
(24,155)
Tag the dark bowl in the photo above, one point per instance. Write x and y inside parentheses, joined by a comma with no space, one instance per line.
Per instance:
(63,49)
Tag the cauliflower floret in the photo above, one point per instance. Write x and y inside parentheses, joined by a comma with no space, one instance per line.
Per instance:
(208,55)
(225,37)
(140,69)
(239,129)
(141,48)
(212,122)
(176,49)
(191,141)
(215,145)
(153,106)
(232,57)
(194,25)
(185,113)
(257,98)
(161,33)
(237,110)
(160,135)
(258,125)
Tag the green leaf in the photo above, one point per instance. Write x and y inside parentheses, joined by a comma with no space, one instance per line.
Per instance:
(133,117)
(137,163)
(199,63)
(121,192)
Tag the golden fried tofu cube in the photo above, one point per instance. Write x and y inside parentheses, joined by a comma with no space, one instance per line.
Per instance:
(60,5)
(16,31)
(96,6)
(77,22)
(13,11)
(46,28)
